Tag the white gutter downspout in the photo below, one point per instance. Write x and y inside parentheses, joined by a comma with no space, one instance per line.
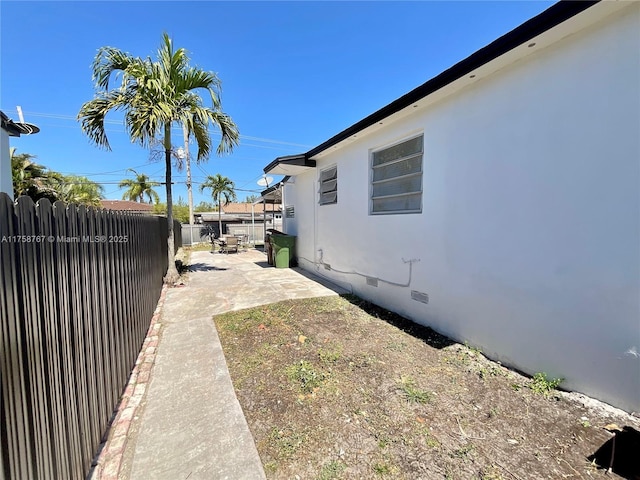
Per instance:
(282,208)
(253,221)
(253,225)
(316,257)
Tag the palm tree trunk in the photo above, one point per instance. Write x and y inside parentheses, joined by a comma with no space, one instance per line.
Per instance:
(172,275)
(188,163)
(219,217)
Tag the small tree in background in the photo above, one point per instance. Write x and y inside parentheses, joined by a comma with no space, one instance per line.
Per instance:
(222,188)
(180,210)
(139,187)
(78,189)
(32,179)
(37,181)
(205,207)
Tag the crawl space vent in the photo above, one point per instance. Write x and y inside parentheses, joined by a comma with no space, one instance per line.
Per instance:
(419,296)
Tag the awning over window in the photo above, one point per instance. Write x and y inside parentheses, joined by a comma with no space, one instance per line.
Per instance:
(272,194)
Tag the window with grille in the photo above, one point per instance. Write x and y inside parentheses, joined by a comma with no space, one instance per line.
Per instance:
(396,178)
(328,188)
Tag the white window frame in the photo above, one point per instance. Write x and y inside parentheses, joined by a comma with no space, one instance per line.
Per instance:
(418,174)
(324,185)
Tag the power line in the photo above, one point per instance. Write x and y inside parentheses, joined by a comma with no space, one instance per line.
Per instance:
(202,170)
(112,172)
(57,116)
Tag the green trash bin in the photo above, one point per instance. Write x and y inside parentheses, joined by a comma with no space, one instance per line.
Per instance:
(283,249)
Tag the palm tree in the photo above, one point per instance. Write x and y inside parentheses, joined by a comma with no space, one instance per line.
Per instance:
(32,179)
(78,189)
(155,95)
(138,187)
(221,188)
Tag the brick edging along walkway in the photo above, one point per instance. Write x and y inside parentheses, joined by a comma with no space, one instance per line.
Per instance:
(106,466)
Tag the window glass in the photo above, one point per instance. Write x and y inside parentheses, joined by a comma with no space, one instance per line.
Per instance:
(328,186)
(396,178)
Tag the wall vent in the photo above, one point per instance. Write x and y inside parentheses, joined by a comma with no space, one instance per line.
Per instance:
(372,282)
(289,211)
(419,296)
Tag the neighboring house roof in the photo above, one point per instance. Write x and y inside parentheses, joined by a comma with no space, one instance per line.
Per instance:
(244,208)
(273,194)
(226,218)
(238,216)
(213,217)
(553,16)
(127,206)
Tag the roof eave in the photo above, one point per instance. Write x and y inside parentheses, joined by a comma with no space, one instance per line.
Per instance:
(9,126)
(290,165)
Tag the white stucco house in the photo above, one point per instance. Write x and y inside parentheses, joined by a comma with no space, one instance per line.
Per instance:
(9,128)
(499,202)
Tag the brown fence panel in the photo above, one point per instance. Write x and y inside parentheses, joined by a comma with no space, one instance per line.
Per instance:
(78,288)
(64,318)
(16,447)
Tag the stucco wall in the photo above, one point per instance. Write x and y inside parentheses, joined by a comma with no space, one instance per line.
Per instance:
(529,238)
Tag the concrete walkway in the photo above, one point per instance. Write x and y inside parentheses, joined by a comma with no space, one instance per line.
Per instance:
(189,424)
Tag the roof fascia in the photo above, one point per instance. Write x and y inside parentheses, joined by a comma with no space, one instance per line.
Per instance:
(9,126)
(301,161)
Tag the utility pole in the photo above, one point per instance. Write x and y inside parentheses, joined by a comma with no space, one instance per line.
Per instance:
(187,159)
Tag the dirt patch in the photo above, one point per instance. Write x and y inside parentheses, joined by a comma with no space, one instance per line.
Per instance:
(335,388)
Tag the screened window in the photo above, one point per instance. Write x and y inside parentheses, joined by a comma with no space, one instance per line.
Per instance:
(328,188)
(396,178)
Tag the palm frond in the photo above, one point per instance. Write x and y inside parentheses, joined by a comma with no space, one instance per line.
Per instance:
(194,79)
(203,140)
(107,61)
(229,131)
(91,116)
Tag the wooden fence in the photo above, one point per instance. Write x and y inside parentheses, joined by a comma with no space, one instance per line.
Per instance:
(78,288)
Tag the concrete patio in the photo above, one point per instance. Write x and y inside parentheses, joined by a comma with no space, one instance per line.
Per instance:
(188,423)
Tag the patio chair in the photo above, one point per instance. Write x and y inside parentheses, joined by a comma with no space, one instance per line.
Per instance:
(242,241)
(230,245)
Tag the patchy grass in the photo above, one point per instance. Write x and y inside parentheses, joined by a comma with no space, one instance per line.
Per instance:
(199,247)
(542,385)
(305,376)
(337,388)
(412,392)
(331,470)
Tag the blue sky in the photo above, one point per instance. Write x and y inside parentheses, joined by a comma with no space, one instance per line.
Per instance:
(293,73)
